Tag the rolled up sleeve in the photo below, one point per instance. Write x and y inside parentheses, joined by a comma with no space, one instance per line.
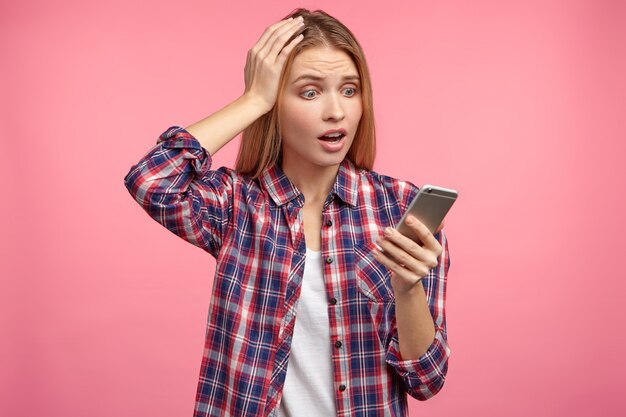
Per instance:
(423,377)
(173,183)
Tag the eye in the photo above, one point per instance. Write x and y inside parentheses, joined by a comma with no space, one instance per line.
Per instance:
(309,94)
(349,91)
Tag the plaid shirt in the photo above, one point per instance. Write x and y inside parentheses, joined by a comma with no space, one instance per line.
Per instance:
(254,229)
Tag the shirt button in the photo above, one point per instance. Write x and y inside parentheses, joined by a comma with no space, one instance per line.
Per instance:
(333,301)
(329,260)
(329,223)
(342,387)
(338,344)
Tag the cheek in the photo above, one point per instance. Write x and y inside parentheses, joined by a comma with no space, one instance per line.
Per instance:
(294,119)
(357,110)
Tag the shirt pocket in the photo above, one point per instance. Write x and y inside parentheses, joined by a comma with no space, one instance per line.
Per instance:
(373,278)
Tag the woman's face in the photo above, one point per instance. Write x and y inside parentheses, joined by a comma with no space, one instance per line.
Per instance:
(322,97)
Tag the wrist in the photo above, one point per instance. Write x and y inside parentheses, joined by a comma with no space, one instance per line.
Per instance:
(408,291)
(256,102)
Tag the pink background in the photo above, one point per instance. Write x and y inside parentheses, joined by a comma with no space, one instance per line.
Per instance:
(520,105)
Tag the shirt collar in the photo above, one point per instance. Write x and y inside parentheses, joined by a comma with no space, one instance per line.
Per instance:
(282,190)
(347,183)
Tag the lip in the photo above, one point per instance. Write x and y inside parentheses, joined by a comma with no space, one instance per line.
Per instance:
(328,132)
(333,146)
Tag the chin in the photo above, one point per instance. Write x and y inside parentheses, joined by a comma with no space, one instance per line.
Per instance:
(330,162)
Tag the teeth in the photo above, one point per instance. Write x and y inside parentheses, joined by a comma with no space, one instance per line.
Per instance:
(334,135)
(332,138)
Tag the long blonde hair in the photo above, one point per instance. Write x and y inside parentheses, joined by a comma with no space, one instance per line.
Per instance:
(260,146)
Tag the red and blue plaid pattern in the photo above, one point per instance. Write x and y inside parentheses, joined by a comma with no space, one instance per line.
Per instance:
(254,230)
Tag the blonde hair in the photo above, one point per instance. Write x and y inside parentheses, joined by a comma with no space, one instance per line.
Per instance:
(260,146)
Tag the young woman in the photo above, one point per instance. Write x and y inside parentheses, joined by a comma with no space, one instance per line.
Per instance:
(308,316)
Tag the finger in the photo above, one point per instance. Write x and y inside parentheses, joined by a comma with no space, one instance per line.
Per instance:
(268,32)
(289,47)
(421,263)
(389,262)
(397,269)
(424,235)
(440,228)
(409,245)
(278,40)
(256,53)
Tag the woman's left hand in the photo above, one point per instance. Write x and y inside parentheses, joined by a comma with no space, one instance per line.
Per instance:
(408,261)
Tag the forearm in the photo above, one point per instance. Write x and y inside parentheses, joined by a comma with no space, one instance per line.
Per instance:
(216,130)
(419,349)
(416,330)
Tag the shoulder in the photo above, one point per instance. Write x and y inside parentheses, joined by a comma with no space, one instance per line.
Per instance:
(233,182)
(386,187)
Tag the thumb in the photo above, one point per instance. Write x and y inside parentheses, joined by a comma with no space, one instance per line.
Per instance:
(440,227)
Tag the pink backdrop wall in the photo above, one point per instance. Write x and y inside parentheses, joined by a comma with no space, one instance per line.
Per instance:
(519,105)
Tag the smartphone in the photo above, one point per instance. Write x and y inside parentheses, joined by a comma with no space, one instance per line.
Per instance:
(430,206)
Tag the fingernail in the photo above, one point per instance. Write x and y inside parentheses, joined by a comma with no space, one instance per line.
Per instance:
(388,231)
(409,220)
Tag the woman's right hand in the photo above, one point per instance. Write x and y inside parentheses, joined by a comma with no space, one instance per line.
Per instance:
(264,66)
(266,59)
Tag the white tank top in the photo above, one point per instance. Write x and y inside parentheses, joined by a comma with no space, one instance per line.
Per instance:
(308,389)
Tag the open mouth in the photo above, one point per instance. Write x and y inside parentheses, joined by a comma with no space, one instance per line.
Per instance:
(333,137)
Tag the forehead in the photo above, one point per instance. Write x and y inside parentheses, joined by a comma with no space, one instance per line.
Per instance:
(323,61)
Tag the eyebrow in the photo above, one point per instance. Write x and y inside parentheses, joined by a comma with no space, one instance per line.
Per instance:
(318,78)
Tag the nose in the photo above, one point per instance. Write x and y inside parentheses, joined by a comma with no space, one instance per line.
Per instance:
(333,109)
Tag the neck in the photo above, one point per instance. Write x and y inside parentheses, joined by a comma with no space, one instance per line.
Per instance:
(313,181)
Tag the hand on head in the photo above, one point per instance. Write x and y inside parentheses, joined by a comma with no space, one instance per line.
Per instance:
(266,60)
